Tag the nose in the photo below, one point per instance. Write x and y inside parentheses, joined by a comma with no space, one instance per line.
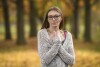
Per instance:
(53,18)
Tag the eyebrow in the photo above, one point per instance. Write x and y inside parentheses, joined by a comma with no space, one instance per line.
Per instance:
(53,15)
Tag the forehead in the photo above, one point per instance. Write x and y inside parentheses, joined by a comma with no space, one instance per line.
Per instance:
(53,12)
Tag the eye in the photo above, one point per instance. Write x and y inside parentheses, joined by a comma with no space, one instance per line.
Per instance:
(50,16)
(56,16)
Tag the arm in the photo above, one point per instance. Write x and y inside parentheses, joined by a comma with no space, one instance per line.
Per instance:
(68,56)
(46,55)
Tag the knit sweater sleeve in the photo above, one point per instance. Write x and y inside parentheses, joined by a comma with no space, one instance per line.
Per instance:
(46,54)
(67,52)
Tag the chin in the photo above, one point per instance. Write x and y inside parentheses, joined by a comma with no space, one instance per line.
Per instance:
(54,25)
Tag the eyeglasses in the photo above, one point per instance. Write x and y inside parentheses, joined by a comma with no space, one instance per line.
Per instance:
(56,17)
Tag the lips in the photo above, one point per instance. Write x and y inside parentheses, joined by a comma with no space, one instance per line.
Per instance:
(54,23)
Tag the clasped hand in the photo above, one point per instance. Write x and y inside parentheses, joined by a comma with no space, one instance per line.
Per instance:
(56,37)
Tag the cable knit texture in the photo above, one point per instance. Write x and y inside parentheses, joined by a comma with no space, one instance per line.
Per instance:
(54,53)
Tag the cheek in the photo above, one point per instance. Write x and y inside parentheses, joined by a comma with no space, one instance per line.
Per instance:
(60,19)
(49,21)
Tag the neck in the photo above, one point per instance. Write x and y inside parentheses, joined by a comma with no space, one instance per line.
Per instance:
(54,29)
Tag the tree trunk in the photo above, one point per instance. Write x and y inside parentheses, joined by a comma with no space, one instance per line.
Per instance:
(87,33)
(75,23)
(33,25)
(20,23)
(6,20)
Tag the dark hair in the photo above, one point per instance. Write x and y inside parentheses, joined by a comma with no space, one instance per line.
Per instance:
(46,23)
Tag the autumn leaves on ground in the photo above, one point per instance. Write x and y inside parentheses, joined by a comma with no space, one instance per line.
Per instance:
(87,54)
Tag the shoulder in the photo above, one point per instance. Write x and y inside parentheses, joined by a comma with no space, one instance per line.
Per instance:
(41,31)
(68,33)
(42,34)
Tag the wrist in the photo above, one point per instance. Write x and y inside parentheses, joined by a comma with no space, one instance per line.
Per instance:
(57,42)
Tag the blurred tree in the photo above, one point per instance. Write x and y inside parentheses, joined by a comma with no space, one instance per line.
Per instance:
(87,33)
(75,22)
(56,2)
(20,23)
(44,4)
(88,5)
(6,20)
(33,14)
(93,2)
(69,9)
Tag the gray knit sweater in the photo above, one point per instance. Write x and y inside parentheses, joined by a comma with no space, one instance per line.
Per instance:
(55,53)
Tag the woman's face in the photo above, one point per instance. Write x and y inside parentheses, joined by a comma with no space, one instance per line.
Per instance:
(54,18)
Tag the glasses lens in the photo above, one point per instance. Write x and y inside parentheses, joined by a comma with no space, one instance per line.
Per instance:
(55,17)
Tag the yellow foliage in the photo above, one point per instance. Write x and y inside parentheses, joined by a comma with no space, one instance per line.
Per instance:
(30,58)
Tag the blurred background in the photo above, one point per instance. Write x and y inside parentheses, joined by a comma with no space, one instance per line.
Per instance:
(20,20)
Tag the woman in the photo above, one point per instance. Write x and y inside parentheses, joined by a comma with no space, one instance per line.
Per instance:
(55,47)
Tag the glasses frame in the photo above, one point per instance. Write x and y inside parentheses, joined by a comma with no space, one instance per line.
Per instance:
(56,17)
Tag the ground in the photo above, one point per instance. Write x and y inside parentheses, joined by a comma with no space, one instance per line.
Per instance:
(26,55)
